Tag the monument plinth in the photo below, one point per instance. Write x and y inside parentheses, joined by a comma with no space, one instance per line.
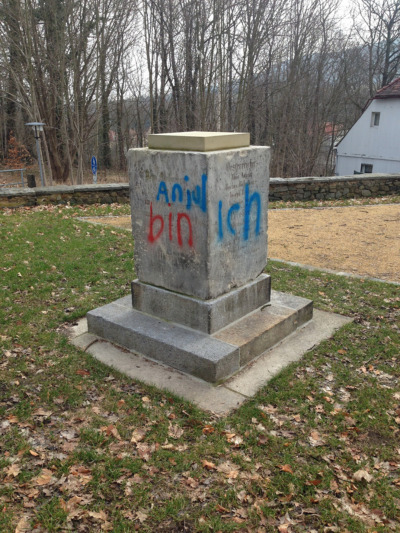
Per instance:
(201,302)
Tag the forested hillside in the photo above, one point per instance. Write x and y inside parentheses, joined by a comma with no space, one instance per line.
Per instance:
(101,74)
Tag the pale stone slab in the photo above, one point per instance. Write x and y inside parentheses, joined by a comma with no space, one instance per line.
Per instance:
(232,393)
(218,399)
(203,315)
(84,340)
(198,141)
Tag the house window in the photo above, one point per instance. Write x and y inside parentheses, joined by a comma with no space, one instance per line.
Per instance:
(375,117)
(366,169)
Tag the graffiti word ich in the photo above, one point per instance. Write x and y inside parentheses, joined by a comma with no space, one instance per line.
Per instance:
(243,216)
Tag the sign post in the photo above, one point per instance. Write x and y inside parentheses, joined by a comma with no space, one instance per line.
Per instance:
(94,169)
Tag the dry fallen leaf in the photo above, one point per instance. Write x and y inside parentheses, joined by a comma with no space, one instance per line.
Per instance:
(268,408)
(145,450)
(175,431)
(314,482)
(69,434)
(229,469)
(286,468)
(72,504)
(138,435)
(221,509)
(141,516)
(42,412)
(111,430)
(315,439)
(45,478)
(12,470)
(234,439)
(82,372)
(237,440)
(23,525)
(80,475)
(361,475)
(101,515)
(208,465)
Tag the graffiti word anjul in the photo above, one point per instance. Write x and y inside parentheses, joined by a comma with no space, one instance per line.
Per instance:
(187,197)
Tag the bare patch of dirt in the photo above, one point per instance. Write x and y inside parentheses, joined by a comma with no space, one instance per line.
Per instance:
(123,222)
(361,240)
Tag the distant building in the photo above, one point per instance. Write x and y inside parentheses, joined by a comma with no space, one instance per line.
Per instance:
(373,143)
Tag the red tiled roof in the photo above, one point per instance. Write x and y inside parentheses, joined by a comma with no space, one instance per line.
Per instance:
(389,91)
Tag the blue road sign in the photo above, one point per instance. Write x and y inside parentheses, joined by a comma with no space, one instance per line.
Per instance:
(94,165)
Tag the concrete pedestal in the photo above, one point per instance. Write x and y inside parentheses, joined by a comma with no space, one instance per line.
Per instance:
(201,303)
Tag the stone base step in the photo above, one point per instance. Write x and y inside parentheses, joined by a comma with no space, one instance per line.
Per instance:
(212,358)
(207,316)
(261,330)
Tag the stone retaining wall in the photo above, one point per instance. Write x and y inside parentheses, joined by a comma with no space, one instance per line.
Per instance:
(359,186)
(63,194)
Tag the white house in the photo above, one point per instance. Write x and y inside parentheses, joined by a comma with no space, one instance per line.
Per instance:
(373,143)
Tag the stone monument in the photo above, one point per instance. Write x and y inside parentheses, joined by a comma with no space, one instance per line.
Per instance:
(201,302)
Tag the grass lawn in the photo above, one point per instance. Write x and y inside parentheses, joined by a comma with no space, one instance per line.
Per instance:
(83,448)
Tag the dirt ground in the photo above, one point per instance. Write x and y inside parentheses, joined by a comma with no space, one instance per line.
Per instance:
(362,240)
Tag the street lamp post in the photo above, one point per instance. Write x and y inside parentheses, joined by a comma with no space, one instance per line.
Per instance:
(37,128)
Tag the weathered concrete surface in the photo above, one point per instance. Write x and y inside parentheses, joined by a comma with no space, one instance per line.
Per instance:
(249,380)
(203,315)
(199,219)
(232,393)
(185,349)
(302,306)
(198,141)
(264,328)
(209,357)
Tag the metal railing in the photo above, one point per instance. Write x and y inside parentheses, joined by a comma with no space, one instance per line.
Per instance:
(21,182)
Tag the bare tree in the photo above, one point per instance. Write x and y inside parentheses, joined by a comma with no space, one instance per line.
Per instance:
(377,23)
